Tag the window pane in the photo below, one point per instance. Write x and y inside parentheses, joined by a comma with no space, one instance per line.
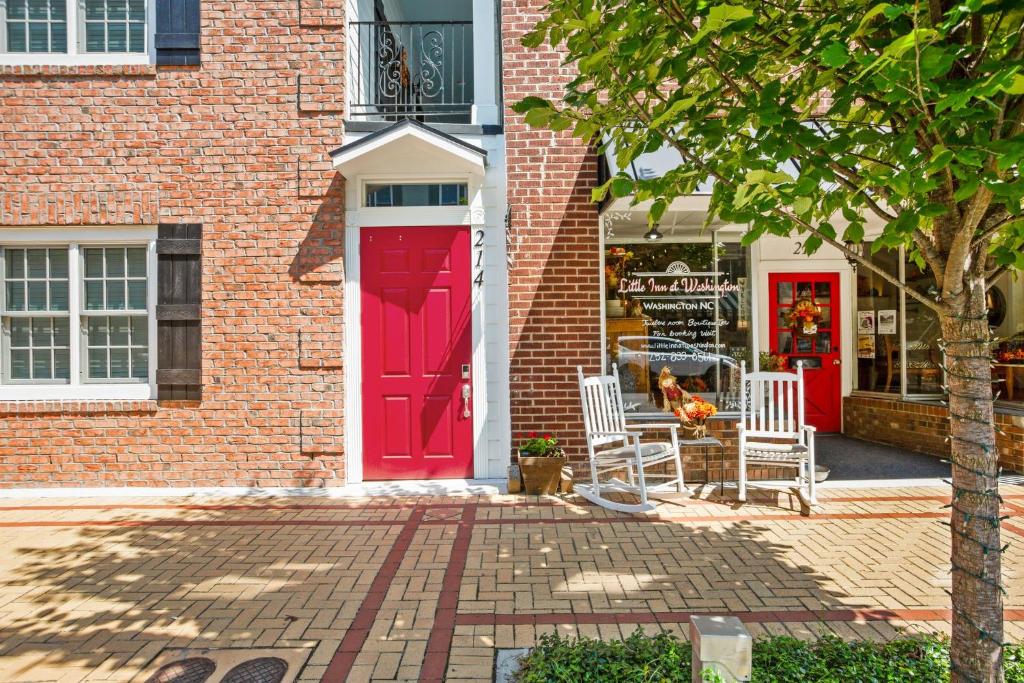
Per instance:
(878,353)
(38,37)
(94,263)
(16,9)
(115,295)
(36,296)
(96,329)
(94,10)
(665,341)
(39,9)
(119,330)
(140,331)
(61,332)
(94,295)
(58,263)
(59,296)
(140,363)
(58,37)
(97,363)
(117,9)
(21,364)
(17,38)
(15,266)
(62,364)
(36,263)
(137,263)
(95,37)
(119,363)
(20,331)
(137,10)
(58,10)
(15,296)
(115,262)
(41,332)
(137,295)
(41,364)
(117,37)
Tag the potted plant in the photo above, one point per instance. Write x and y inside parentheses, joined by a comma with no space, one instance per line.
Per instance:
(541,460)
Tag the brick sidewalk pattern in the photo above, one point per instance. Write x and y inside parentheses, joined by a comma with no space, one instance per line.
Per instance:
(425,589)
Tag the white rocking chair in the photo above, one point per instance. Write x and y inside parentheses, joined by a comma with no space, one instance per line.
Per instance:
(604,420)
(772,431)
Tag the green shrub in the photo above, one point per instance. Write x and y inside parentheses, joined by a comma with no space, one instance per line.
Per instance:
(779,659)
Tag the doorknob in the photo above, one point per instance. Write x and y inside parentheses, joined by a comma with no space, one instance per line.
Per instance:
(465,400)
(835,361)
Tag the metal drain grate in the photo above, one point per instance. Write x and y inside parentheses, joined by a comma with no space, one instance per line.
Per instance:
(194,670)
(262,670)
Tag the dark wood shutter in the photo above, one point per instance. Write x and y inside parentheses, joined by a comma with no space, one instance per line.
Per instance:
(177,32)
(179,367)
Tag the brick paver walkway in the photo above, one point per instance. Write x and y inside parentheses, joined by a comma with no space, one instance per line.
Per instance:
(425,588)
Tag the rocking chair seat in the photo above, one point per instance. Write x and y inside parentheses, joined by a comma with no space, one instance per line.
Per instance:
(649,453)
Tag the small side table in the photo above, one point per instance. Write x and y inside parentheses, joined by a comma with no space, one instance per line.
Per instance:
(709,442)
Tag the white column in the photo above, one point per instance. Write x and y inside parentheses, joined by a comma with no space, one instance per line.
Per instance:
(485,63)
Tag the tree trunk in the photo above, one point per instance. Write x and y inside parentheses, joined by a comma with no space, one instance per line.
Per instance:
(977,596)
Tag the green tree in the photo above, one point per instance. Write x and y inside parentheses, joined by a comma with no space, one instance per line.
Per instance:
(811,115)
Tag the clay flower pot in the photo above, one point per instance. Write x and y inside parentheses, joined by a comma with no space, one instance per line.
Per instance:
(541,474)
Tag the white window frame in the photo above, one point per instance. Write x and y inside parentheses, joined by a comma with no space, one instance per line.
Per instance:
(79,387)
(76,54)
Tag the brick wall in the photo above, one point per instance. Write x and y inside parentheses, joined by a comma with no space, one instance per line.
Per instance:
(239,144)
(554,277)
(923,427)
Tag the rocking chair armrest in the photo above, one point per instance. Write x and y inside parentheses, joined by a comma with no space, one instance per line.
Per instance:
(809,428)
(625,435)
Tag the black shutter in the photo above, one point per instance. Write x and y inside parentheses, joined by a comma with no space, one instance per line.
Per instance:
(179,367)
(177,32)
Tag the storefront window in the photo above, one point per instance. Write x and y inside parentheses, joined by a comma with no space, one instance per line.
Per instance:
(677,309)
(923,354)
(1006,320)
(878,325)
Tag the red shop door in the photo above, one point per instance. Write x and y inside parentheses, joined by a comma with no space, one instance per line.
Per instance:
(417,346)
(819,352)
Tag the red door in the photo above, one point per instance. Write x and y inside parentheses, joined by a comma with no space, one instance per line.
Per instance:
(820,351)
(417,344)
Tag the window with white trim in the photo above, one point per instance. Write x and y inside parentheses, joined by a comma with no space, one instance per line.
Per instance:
(75,28)
(76,314)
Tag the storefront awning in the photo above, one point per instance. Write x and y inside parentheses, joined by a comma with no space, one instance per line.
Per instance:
(408,144)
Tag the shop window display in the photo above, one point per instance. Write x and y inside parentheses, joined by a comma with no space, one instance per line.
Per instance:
(679,310)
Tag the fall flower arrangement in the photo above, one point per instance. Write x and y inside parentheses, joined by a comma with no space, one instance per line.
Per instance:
(694,414)
(1012,356)
(804,317)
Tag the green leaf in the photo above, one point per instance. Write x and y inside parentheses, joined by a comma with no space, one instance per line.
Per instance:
(622,186)
(719,18)
(1016,86)
(967,189)
(802,206)
(762,177)
(835,55)
(854,233)
(869,16)
(675,109)
(527,103)
(600,192)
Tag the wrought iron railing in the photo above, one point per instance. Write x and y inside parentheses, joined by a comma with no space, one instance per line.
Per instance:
(420,70)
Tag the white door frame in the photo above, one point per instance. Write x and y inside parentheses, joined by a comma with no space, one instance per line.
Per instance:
(358,217)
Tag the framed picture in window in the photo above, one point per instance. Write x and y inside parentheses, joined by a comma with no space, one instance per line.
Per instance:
(865,322)
(887,321)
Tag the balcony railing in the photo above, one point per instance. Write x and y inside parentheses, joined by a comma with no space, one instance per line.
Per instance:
(420,70)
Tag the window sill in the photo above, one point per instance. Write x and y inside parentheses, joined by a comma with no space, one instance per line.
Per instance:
(72,69)
(29,393)
(74,407)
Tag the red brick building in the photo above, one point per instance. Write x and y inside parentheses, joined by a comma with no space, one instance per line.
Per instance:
(307,243)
